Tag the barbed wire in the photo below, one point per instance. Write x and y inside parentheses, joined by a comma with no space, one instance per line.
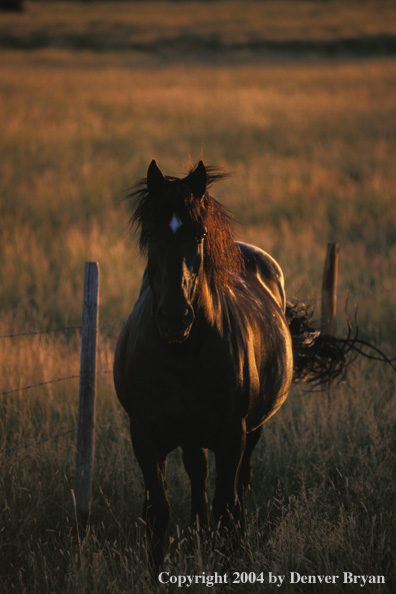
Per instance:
(103,372)
(55,330)
(122,322)
(118,322)
(37,332)
(39,385)
(53,381)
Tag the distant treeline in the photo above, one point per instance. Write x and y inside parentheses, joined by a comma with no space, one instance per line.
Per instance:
(5,3)
(19,5)
(221,31)
(15,5)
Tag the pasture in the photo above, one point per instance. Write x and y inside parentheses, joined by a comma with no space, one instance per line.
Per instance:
(310,138)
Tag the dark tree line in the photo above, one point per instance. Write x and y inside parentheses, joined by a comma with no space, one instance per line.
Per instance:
(12,5)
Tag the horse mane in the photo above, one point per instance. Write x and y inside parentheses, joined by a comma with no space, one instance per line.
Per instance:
(222,257)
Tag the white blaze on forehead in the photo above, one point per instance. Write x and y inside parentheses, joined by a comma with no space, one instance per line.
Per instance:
(175,223)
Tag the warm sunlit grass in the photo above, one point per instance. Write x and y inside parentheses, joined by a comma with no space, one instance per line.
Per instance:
(311,147)
(322,498)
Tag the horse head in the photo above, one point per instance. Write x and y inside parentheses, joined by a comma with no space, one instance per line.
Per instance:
(188,238)
(175,249)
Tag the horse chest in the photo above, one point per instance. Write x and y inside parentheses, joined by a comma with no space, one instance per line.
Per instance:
(183,386)
(186,400)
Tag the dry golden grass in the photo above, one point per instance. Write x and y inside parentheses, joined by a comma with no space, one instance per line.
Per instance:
(307,169)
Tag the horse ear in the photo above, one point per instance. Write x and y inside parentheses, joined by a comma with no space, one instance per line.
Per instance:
(155,178)
(197,180)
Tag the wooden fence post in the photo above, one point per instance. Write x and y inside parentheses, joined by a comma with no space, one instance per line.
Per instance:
(86,407)
(329,290)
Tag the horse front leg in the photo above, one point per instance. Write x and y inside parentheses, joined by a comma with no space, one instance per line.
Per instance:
(196,464)
(228,454)
(156,509)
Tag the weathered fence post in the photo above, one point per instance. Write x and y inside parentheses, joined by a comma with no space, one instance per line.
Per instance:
(329,290)
(86,407)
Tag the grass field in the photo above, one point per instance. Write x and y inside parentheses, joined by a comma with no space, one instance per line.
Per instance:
(311,142)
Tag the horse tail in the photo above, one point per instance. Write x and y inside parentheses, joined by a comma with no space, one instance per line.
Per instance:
(321,358)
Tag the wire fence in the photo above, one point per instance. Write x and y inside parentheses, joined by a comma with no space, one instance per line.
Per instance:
(35,332)
(340,296)
(48,382)
(55,330)
(39,385)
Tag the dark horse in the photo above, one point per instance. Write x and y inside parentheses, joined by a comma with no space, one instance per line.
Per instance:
(205,358)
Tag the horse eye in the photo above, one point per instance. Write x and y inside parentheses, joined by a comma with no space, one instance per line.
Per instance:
(201,237)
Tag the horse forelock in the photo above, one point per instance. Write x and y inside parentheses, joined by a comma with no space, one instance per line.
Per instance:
(222,257)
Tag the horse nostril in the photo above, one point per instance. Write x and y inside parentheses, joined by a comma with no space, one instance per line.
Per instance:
(174,319)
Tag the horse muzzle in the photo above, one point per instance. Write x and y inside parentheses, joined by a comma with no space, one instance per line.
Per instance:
(174,326)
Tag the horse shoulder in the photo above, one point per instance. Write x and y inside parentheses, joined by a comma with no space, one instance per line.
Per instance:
(266,269)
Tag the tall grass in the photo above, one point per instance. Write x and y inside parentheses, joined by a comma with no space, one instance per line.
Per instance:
(311,145)
(322,499)
(307,168)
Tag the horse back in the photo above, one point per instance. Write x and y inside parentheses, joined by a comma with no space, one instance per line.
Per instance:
(261,265)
